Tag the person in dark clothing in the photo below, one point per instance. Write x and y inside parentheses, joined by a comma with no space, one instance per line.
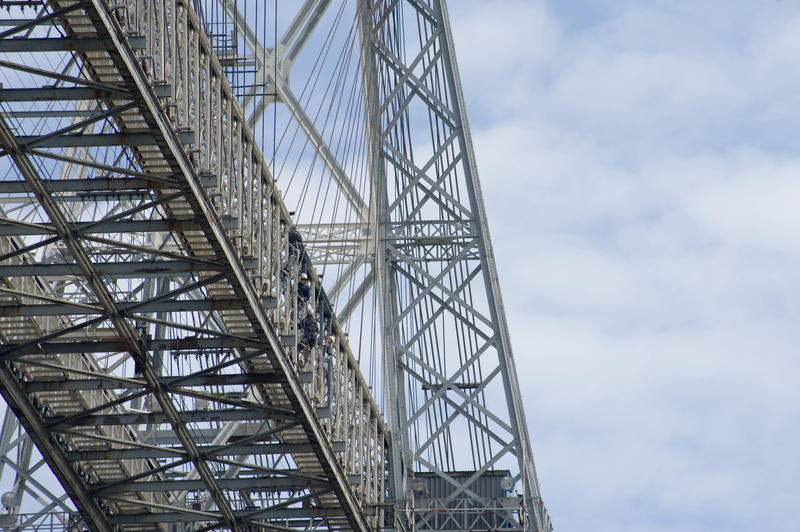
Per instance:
(295,240)
(330,351)
(303,292)
(325,314)
(329,346)
(296,249)
(307,331)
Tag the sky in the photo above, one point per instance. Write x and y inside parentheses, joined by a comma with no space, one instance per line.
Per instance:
(640,168)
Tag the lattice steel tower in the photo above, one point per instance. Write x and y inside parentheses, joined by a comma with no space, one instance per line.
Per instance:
(235,237)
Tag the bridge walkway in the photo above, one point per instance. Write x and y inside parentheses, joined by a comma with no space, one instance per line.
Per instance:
(149,302)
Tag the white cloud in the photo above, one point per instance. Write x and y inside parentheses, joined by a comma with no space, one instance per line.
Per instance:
(640,174)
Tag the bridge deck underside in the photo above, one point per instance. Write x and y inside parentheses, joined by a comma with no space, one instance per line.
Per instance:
(149,301)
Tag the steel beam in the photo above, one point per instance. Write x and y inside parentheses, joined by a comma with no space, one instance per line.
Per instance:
(280,514)
(117,346)
(123,226)
(84,82)
(28,24)
(56,94)
(84,140)
(95,184)
(101,383)
(193,305)
(125,270)
(62,44)
(209,451)
(250,484)
(62,423)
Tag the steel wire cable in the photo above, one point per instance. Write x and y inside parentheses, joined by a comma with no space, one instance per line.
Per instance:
(346,124)
(327,121)
(284,135)
(308,89)
(343,146)
(345,140)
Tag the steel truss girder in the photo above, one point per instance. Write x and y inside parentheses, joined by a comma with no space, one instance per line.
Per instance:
(186,416)
(238,277)
(50,94)
(116,346)
(102,294)
(84,82)
(96,184)
(28,24)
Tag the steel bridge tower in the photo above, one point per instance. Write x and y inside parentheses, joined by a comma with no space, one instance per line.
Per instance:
(459,438)
(246,279)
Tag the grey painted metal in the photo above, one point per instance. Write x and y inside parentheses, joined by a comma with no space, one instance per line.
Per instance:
(437,276)
(97,139)
(20,404)
(271,482)
(50,94)
(101,383)
(128,226)
(354,513)
(220,450)
(84,306)
(77,80)
(53,94)
(85,185)
(195,154)
(186,416)
(61,44)
(160,306)
(156,268)
(41,346)
(279,514)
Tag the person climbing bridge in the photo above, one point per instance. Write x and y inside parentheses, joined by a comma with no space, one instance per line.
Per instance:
(307,331)
(330,352)
(296,249)
(303,292)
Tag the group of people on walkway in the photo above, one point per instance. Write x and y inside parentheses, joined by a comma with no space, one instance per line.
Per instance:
(314,314)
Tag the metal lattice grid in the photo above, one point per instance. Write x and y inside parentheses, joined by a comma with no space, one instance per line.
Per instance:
(150,325)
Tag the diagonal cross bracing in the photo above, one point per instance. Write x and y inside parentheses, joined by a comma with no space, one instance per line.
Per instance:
(440,298)
(205,204)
